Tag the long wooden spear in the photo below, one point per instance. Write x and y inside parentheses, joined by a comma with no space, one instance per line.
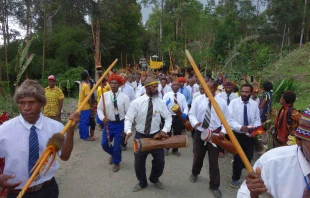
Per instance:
(51,148)
(105,117)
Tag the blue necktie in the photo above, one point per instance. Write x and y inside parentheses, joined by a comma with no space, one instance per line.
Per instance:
(181,90)
(33,149)
(245,115)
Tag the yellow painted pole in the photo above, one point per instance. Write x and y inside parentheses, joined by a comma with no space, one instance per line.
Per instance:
(219,113)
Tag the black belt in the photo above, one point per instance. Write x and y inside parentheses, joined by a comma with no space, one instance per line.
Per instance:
(116,122)
(33,188)
(215,131)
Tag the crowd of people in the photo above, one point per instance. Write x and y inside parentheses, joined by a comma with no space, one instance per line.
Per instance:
(127,103)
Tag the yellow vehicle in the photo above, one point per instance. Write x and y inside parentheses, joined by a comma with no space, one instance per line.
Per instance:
(154,63)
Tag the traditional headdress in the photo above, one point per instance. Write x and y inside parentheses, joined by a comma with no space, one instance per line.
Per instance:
(228,84)
(181,80)
(119,79)
(303,130)
(150,81)
(4,117)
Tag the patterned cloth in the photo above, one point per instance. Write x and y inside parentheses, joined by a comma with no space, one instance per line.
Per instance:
(53,96)
(266,110)
(303,130)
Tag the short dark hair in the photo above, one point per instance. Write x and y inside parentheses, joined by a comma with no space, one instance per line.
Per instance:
(267,86)
(213,83)
(289,97)
(84,75)
(247,85)
(163,78)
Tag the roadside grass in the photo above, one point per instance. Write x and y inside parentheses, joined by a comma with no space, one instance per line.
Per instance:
(295,66)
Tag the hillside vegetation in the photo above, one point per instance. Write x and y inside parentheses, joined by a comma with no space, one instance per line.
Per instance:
(295,66)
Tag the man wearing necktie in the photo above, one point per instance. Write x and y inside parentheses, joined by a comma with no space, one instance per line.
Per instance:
(228,96)
(116,105)
(171,98)
(203,117)
(283,171)
(147,111)
(183,90)
(29,133)
(246,118)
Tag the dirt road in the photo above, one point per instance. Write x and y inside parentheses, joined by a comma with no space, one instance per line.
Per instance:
(88,174)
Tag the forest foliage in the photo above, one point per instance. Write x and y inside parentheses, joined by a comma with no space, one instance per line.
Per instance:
(228,36)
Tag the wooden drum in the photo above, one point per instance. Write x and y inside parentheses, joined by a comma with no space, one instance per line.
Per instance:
(176,109)
(147,144)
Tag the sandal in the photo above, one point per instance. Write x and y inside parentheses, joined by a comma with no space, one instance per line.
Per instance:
(94,137)
(137,188)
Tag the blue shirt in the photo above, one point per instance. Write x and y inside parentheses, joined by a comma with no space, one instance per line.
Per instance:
(187,94)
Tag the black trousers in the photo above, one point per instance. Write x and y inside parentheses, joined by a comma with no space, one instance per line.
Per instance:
(158,163)
(177,127)
(200,150)
(49,191)
(247,144)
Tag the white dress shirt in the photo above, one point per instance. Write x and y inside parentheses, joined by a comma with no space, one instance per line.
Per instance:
(192,90)
(236,107)
(123,103)
(181,102)
(256,100)
(198,111)
(138,110)
(282,170)
(128,90)
(140,91)
(165,90)
(14,146)
(195,96)
(231,96)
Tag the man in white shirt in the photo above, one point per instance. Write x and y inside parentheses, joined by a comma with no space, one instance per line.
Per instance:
(147,111)
(140,90)
(228,95)
(130,80)
(245,114)
(163,88)
(192,87)
(171,98)
(200,121)
(254,95)
(136,82)
(117,105)
(24,138)
(283,171)
(169,80)
(127,88)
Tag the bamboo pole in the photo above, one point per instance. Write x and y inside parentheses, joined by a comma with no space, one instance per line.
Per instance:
(89,95)
(219,113)
(51,149)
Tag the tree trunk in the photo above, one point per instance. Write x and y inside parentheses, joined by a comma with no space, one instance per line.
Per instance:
(283,39)
(303,24)
(308,30)
(27,31)
(44,41)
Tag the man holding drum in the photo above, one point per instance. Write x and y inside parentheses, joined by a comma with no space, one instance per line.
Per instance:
(204,119)
(174,98)
(147,111)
